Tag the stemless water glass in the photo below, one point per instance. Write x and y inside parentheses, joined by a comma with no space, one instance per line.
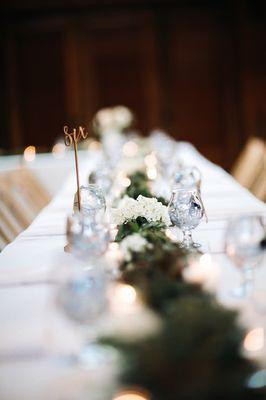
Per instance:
(80,292)
(92,202)
(86,238)
(243,246)
(188,177)
(186,210)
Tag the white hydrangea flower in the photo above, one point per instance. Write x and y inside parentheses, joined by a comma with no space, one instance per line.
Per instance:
(134,242)
(149,208)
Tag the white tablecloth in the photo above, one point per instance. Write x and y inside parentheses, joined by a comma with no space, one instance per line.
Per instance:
(29,322)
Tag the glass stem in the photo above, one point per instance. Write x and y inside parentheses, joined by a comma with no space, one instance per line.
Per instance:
(187,238)
(248,280)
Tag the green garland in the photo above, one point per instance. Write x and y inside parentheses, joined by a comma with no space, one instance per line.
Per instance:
(197,353)
(140,186)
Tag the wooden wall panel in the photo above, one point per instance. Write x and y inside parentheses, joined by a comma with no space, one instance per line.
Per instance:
(196,69)
(41,86)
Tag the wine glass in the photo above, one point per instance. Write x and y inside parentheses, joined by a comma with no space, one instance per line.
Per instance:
(186,210)
(243,246)
(86,238)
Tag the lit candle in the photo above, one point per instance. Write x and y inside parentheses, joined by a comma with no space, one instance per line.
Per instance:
(30,153)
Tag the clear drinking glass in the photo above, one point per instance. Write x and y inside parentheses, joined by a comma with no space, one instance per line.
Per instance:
(243,246)
(92,202)
(186,210)
(85,237)
(80,292)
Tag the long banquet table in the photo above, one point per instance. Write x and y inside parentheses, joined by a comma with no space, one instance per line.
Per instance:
(34,336)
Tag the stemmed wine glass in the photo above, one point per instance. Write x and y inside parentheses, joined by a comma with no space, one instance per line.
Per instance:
(186,210)
(243,246)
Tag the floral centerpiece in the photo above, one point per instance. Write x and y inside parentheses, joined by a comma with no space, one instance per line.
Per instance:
(197,352)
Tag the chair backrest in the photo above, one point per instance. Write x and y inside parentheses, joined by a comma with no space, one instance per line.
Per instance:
(250,163)
(21,199)
(259,186)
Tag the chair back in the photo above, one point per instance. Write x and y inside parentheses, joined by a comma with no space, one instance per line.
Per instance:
(250,163)
(21,199)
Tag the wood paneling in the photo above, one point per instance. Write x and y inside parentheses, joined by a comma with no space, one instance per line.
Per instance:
(197,69)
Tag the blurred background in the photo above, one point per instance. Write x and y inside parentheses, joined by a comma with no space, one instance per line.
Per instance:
(194,68)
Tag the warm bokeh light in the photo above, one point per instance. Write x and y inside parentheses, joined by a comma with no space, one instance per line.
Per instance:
(105,117)
(123,299)
(113,246)
(125,294)
(170,234)
(30,153)
(130,149)
(123,180)
(59,150)
(254,340)
(94,145)
(150,160)
(152,173)
(132,395)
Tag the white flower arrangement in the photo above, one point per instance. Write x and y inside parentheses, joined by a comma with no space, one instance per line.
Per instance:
(150,208)
(133,243)
(112,119)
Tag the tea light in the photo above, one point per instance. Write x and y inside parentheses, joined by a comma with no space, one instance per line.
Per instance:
(30,153)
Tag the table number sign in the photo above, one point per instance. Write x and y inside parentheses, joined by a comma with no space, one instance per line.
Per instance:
(72,138)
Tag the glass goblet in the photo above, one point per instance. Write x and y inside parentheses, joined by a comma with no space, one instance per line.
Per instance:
(243,246)
(186,210)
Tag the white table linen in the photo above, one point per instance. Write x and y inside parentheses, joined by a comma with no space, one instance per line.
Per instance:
(30,323)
